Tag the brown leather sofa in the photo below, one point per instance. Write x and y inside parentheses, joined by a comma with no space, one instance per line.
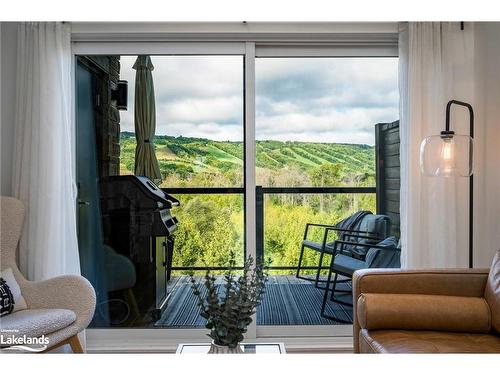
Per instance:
(427,311)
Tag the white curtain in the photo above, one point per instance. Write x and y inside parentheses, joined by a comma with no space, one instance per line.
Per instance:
(43,160)
(436,65)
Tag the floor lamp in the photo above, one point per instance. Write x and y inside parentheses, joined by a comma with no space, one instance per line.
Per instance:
(450,155)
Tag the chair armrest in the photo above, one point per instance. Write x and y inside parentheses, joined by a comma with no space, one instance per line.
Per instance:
(451,282)
(334,228)
(70,292)
(360,244)
(355,235)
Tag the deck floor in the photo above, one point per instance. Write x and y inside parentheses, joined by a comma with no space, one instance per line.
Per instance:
(287,301)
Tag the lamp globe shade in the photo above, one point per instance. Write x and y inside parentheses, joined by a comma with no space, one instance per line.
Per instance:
(446,155)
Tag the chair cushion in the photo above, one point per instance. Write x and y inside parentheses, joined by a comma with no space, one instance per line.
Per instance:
(427,342)
(380,225)
(318,245)
(380,258)
(37,322)
(492,292)
(347,265)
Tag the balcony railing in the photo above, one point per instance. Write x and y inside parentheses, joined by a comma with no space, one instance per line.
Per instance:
(260,213)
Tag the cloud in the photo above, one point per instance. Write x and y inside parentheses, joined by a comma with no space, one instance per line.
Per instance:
(303,99)
(228,109)
(215,131)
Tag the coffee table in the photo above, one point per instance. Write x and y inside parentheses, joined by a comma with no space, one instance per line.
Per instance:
(248,348)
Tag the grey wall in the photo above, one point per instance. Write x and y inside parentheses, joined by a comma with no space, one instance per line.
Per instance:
(8,92)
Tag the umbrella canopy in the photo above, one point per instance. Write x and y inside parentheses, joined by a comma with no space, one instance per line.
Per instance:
(146,163)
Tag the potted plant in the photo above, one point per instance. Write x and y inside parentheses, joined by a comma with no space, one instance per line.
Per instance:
(228,307)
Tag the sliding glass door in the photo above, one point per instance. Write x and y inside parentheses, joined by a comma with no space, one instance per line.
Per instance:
(196,106)
(253,148)
(315,131)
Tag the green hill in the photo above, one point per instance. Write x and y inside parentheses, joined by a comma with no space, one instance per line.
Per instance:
(184,157)
(212,226)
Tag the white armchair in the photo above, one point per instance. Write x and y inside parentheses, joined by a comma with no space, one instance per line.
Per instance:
(58,308)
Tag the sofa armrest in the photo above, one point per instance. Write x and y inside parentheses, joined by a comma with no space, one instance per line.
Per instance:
(70,292)
(451,282)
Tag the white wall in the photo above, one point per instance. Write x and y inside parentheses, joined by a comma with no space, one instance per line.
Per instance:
(487,145)
(7,107)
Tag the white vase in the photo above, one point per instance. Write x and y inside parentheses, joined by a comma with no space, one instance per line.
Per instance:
(224,349)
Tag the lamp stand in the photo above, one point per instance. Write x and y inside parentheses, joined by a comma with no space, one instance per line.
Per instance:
(471,178)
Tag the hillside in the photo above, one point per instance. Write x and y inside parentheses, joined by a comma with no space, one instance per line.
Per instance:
(184,157)
(212,225)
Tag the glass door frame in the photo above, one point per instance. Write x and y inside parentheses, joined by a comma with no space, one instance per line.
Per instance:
(341,335)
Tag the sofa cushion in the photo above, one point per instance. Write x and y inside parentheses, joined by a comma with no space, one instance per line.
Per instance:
(37,322)
(492,292)
(383,311)
(427,342)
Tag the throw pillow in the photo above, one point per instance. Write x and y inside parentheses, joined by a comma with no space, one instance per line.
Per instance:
(381,258)
(18,299)
(6,299)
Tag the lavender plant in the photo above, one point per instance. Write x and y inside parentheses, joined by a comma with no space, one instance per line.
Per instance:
(228,314)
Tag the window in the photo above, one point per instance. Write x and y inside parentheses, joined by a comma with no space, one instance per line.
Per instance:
(312,125)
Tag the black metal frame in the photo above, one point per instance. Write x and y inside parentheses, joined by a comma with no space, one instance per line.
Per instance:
(260,191)
(344,234)
(449,133)
(348,276)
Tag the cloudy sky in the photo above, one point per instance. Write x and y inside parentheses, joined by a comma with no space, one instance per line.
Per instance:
(301,99)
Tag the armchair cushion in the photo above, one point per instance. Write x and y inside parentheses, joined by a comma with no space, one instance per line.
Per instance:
(377,311)
(37,322)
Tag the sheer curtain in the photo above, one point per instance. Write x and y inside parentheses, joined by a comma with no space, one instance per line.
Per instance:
(43,161)
(436,65)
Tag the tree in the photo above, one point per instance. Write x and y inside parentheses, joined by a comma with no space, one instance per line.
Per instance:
(326,174)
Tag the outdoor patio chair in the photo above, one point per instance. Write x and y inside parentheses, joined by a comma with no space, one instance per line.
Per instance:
(385,254)
(362,227)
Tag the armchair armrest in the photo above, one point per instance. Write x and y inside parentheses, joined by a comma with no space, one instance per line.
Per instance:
(447,282)
(70,292)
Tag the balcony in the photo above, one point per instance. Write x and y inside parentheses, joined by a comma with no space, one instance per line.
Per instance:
(287,301)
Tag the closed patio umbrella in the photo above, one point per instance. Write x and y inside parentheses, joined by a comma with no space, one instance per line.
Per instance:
(146,163)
